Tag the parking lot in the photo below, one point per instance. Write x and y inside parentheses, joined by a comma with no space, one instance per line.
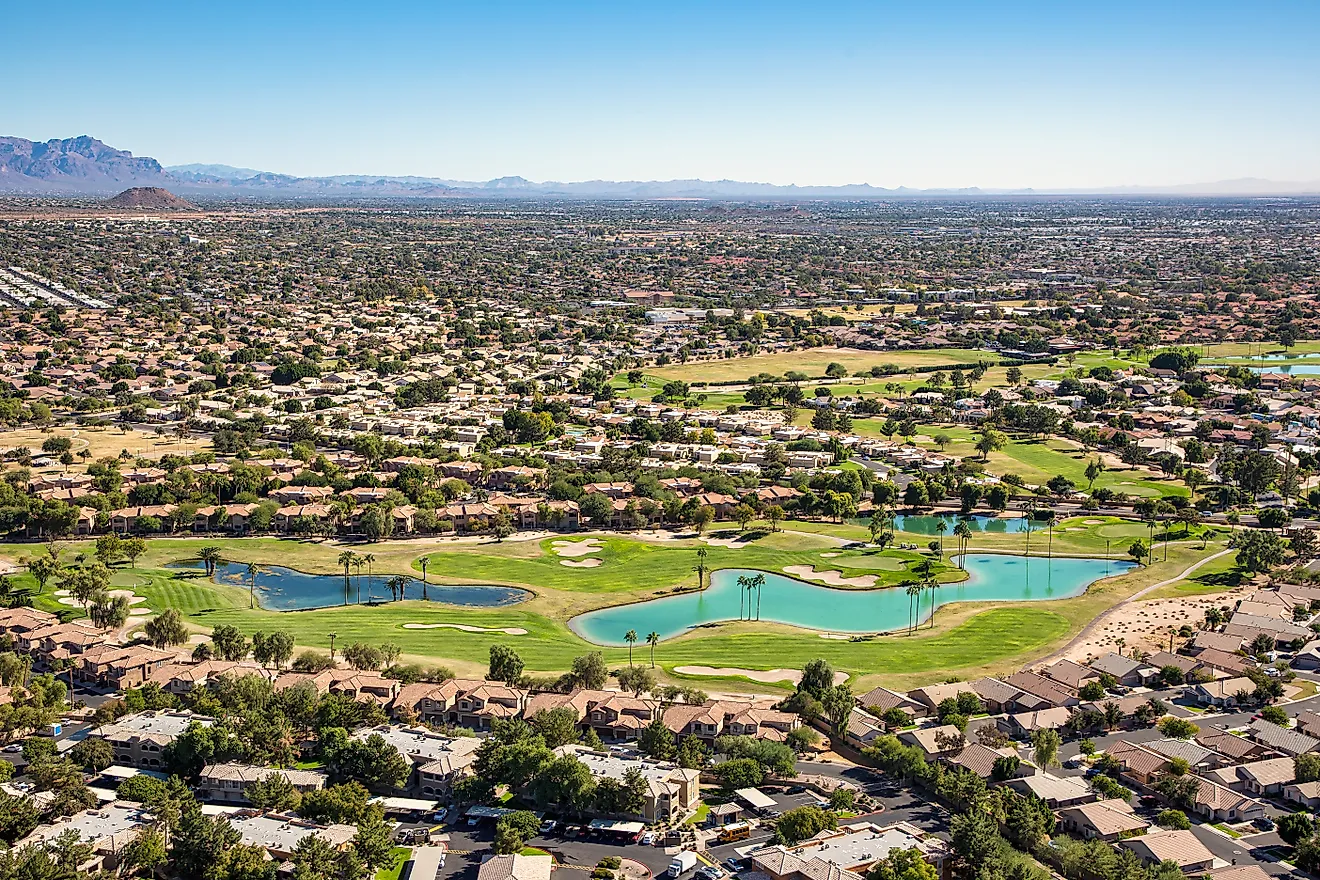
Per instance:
(578,852)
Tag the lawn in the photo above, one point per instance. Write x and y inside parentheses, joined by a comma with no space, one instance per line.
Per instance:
(401,855)
(1217,576)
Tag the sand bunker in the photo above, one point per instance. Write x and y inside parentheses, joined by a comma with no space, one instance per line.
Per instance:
(833,578)
(580,563)
(1093,522)
(765,676)
(828,555)
(133,599)
(576,548)
(508,630)
(730,543)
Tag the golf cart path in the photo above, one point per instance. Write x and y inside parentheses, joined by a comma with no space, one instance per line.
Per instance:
(1099,621)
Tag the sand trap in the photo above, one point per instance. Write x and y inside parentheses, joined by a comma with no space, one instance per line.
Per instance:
(765,676)
(580,563)
(1093,522)
(730,543)
(576,548)
(828,555)
(833,578)
(836,637)
(508,630)
(66,599)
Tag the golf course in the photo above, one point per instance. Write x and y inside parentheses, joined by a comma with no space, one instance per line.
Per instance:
(980,622)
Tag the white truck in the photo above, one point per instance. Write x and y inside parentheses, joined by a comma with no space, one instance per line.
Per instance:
(682,863)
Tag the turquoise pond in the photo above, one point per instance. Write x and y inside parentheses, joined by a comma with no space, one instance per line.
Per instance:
(991,578)
(1292,369)
(924,524)
(284,589)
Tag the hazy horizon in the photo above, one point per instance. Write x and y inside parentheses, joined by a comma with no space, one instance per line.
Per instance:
(950,95)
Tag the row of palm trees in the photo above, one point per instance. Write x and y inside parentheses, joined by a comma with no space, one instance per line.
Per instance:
(397,585)
(652,639)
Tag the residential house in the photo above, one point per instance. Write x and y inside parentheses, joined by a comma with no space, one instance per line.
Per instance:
(671,791)
(1109,820)
(1179,846)
(140,740)
(228,783)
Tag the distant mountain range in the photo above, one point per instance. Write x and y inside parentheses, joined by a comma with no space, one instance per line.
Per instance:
(86,166)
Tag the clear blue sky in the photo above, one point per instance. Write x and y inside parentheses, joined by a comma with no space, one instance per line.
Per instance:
(919,93)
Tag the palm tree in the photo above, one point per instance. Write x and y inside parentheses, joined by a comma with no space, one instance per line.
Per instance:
(653,639)
(346,559)
(700,568)
(368,559)
(252,585)
(760,582)
(358,562)
(424,560)
(1049,548)
(333,636)
(930,584)
(398,584)
(630,637)
(964,534)
(210,557)
(912,590)
(940,528)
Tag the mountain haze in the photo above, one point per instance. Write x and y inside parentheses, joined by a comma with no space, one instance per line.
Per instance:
(85,166)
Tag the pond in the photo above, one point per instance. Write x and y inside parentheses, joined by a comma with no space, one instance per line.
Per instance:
(284,589)
(991,578)
(1293,369)
(924,524)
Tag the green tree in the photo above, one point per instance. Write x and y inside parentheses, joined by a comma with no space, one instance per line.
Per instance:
(167,629)
(513,830)
(802,823)
(505,665)
(273,792)
(1046,743)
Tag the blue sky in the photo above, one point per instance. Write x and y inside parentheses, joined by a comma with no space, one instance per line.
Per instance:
(921,93)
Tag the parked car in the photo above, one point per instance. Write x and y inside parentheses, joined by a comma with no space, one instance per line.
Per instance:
(649,838)
(547,827)
(733,864)
(1264,823)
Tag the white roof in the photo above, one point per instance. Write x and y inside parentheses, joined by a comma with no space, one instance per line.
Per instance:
(755,798)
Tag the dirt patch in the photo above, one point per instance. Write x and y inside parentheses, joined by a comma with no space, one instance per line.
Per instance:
(832,578)
(765,676)
(580,563)
(508,630)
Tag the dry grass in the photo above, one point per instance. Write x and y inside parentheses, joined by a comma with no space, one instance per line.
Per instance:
(104,442)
